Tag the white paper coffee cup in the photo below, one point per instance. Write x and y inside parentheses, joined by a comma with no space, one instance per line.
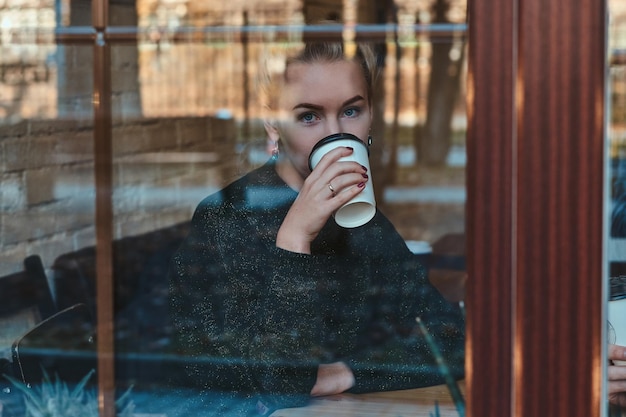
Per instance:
(362,208)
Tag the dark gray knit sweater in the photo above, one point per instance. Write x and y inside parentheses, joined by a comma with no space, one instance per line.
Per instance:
(255,320)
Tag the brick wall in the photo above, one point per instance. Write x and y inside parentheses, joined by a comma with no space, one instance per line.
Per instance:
(162,168)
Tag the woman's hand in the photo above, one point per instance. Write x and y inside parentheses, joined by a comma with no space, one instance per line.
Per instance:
(331,184)
(617,376)
(332,378)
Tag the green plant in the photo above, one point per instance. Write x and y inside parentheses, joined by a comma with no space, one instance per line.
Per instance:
(437,413)
(453,387)
(56,399)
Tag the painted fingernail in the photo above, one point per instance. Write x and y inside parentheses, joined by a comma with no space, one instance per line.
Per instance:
(361,185)
(350,147)
(364,168)
(365,176)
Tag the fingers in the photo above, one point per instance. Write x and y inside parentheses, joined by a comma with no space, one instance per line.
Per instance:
(617,373)
(617,353)
(332,378)
(334,177)
(618,399)
(331,184)
(346,185)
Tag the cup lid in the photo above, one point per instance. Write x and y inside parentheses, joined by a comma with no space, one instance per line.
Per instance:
(332,138)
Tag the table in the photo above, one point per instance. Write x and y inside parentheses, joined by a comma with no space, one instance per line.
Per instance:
(413,402)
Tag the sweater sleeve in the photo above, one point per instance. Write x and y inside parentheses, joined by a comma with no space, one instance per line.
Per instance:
(241,314)
(199,293)
(394,354)
(255,319)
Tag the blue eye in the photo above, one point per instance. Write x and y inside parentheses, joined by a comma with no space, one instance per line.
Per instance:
(308,118)
(351,112)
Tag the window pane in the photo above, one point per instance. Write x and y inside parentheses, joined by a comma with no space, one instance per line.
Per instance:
(193,124)
(46,212)
(616,247)
(187,118)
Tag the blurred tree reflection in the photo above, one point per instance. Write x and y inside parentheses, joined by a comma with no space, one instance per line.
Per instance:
(433,140)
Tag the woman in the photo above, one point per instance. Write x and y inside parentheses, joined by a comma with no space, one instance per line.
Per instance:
(273,301)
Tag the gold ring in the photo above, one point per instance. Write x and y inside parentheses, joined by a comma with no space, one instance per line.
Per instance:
(332,190)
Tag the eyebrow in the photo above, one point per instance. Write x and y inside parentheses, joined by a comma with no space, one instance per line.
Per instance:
(317,107)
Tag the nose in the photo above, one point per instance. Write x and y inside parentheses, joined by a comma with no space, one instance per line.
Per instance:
(333,126)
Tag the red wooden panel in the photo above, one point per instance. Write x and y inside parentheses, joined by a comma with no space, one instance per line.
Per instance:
(535,164)
(489,213)
(558,205)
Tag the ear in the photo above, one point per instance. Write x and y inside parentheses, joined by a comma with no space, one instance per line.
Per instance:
(272,130)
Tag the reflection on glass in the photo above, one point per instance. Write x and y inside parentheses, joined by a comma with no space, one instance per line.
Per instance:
(46,211)
(188,119)
(273,300)
(617,207)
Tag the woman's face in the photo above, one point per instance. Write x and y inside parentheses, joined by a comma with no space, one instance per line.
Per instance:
(317,100)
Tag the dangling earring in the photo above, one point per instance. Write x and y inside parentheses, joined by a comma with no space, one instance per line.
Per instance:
(275,150)
(369,139)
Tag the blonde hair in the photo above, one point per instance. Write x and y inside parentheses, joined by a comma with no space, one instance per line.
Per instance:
(316,52)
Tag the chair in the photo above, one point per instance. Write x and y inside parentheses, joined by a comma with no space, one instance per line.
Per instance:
(25,300)
(63,346)
(447,267)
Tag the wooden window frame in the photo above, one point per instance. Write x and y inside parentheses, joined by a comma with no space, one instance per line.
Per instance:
(536,149)
(534,207)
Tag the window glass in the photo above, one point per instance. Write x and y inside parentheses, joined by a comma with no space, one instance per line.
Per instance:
(617,117)
(196,302)
(233,320)
(616,245)
(46,210)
